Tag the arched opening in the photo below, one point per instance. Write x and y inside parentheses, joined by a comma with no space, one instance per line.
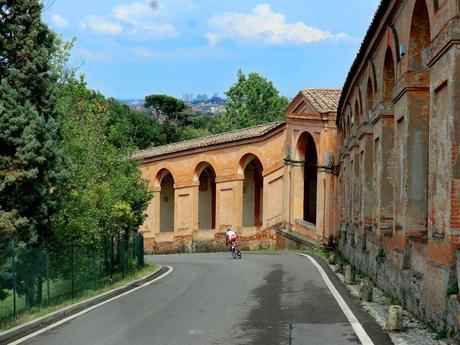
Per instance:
(369,99)
(166,183)
(388,76)
(307,152)
(206,197)
(417,123)
(419,36)
(252,191)
(356,114)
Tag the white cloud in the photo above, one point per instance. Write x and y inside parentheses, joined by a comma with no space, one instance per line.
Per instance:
(266,26)
(140,19)
(199,53)
(212,38)
(101,25)
(91,55)
(143,53)
(59,22)
(153,30)
(136,11)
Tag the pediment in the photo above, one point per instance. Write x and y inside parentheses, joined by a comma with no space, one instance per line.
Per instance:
(301,107)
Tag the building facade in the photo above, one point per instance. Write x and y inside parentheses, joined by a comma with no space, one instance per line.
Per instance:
(399,179)
(254,180)
(374,169)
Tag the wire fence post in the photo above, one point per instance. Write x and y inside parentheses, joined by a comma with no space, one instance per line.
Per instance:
(13,245)
(72,268)
(47,273)
(122,256)
(111,256)
(140,251)
(94,269)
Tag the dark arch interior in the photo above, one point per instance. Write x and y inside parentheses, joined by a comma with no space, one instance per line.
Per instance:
(207,199)
(252,194)
(419,36)
(388,76)
(310,178)
(369,98)
(167,203)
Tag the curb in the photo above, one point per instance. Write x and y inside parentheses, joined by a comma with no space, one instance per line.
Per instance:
(34,325)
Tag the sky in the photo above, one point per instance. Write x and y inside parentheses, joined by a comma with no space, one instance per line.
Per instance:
(133,48)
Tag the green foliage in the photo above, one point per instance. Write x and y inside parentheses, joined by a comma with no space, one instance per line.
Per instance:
(452,289)
(164,105)
(105,195)
(252,100)
(30,161)
(392,300)
(441,334)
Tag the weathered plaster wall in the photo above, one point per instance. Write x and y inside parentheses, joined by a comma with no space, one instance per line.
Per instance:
(405,233)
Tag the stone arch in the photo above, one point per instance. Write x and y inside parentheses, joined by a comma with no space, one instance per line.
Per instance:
(388,81)
(251,169)
(357,113)
(369,98)
(205,175)
(245,160)
(160,175)
(164,181)
(420,36)
(306,149)
(417,122)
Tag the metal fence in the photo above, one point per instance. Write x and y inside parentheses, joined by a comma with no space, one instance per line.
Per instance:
(36,278)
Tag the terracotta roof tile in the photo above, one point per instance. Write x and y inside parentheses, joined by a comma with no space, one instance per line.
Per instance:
(324,100)
(241,134)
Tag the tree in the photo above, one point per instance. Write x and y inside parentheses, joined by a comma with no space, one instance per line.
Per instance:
(177,115)
(105,195)
(30,162)
(164,105)
(252,100)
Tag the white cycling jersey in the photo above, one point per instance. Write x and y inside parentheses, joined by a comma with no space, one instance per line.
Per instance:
(231,235)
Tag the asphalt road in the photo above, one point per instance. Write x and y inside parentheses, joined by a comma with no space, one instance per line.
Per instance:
(212,299)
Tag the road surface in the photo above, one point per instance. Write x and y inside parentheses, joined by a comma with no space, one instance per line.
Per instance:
(213,299)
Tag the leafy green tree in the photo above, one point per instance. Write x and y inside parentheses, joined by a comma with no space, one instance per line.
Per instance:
(30,161)
(105,195)
(145,131)
(252,100)
(164,105)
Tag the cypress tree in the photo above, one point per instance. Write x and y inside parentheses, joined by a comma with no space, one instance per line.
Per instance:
(30,162)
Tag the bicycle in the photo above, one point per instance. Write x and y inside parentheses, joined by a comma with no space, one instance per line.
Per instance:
(235,250)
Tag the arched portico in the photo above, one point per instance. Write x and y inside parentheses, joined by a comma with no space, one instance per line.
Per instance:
(164,182)
(252,199)
(206,177)
(307,152)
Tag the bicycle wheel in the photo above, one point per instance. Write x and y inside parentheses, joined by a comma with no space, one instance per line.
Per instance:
(239,254)
(234,253)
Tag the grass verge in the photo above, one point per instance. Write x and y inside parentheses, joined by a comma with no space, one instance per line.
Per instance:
(37,312)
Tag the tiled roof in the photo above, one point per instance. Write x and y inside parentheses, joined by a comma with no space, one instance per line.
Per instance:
(324,100)
(241,134)
(379,14)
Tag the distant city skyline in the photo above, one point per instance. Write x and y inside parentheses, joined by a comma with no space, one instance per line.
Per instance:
(131,48)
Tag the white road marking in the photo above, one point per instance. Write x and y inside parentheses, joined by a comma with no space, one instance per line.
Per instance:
(87,310)
(357,327)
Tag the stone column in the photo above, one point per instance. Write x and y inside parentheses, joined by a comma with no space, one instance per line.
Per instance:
(229,202)
(384,168)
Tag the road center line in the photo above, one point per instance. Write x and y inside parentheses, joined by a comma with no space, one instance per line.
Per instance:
(357,327)
(87,310)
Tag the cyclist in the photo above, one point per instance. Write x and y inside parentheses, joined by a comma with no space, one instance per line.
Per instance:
(231,237)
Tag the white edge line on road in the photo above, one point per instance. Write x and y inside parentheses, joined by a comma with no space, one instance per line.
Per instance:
(357,327)
(87,310)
